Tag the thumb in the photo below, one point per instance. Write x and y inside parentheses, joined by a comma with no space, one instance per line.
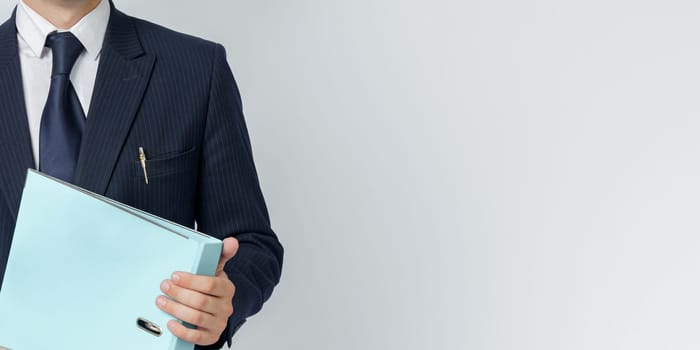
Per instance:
(227,252)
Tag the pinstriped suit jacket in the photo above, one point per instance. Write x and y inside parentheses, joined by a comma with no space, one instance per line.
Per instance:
(174,95)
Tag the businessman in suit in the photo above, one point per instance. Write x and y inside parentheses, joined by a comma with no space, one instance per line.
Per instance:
(151,118)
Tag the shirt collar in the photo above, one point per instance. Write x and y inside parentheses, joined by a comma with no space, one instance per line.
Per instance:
(90,30)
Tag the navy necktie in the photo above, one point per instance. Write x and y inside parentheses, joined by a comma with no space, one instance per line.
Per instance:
(63,119)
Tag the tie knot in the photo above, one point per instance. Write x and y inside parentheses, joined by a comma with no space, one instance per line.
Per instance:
(66,48)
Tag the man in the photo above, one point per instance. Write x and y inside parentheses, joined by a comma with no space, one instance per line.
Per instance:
(151,118)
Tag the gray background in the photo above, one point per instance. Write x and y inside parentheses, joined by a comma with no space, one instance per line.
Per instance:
(470,174)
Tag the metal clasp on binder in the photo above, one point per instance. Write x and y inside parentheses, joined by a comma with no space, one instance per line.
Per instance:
(146,325)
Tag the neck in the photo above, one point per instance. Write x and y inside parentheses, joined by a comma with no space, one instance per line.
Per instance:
(63,14)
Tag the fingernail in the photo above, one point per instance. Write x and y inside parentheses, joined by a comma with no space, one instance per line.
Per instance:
(160,301)
(165,286)
(171,324)
(176,277)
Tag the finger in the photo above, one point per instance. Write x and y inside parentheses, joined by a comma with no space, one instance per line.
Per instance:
(197,300)
(197,336)
(188,314)
(228,251)
(218,286)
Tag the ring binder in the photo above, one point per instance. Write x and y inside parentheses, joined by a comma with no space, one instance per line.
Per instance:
(78,258)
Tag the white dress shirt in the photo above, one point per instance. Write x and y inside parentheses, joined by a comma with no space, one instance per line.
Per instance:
(36,60)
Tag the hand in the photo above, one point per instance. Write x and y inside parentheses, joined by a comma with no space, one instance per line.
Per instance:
(203,301)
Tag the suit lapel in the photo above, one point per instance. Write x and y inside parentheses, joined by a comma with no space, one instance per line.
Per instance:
(15,142)
(122,77)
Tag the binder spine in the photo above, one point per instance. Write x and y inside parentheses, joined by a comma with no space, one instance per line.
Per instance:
(206,265)
(209,258)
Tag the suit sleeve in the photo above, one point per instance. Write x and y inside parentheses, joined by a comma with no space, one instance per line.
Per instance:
(230,202)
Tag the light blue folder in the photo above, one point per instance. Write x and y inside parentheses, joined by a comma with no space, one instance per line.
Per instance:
(84,272)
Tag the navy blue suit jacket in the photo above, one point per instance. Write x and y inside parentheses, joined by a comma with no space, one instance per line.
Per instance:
(175,96)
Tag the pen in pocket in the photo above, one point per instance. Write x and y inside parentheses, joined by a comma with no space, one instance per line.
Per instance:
(142,158)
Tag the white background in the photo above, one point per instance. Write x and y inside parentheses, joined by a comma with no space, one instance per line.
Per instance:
(470,174)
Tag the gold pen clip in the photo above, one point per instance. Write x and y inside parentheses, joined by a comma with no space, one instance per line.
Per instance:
(142,158)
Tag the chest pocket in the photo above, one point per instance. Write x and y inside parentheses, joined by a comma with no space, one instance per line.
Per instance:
(166,164)
(171,189)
